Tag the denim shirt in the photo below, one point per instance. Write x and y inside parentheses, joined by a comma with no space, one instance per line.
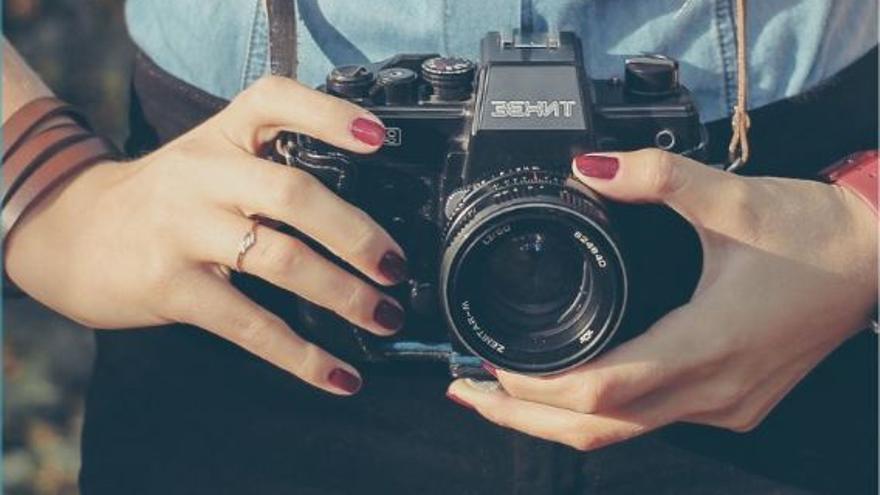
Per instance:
(222,47)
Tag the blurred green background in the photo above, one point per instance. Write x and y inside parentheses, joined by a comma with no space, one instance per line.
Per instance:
(81,49)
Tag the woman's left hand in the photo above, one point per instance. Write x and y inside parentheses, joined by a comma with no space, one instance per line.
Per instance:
(789,273)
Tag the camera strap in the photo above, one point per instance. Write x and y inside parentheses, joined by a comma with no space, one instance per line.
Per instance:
(282,37)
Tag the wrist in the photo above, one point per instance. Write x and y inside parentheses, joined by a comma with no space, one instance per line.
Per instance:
(46,142)
(58,217)
(80,192)
(85,186)
(861,235)
(856,177)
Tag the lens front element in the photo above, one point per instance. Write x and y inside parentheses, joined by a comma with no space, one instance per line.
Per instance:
(529,280)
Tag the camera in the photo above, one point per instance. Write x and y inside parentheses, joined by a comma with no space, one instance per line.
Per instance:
(511,261)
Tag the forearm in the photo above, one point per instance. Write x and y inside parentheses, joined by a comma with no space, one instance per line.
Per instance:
(20,83)
(46,143)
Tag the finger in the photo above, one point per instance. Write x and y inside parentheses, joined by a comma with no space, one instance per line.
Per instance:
(635,368)
(581,431)
(290,264)
(697,192)
(255,186)
(219,308)
(276,103)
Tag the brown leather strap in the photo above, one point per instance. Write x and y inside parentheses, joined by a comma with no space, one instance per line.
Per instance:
(29,117)
(35,151)
(54,171)
(282,37)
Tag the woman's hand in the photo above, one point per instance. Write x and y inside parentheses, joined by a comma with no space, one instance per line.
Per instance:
(148,242)
(789,272)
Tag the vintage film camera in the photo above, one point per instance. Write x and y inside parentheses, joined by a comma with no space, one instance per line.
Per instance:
(511,261)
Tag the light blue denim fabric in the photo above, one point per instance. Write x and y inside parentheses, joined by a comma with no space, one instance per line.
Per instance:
(222,46)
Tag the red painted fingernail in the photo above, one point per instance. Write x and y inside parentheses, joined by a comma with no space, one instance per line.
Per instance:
(388,315)
(368,131)
(458,400)
(490,369)
(597,166)
(393,267)
(344,380)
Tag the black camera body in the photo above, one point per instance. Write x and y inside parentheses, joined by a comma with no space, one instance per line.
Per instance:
(511,262)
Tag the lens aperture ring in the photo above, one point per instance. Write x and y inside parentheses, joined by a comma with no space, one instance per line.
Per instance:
(509,185)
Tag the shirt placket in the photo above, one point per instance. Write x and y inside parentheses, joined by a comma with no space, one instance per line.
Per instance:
(725,27)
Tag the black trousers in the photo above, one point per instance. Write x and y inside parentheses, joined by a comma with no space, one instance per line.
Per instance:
(175,410)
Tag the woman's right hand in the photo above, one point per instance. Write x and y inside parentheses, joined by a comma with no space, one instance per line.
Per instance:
(150,242)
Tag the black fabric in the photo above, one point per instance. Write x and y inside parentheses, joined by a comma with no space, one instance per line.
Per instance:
(174,410)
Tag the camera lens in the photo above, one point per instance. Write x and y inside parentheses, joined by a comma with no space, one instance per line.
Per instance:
(531,278)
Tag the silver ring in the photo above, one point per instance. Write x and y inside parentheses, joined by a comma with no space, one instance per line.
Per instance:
(247,242)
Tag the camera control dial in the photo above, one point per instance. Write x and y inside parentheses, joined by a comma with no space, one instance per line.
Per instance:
(651,75)
(450,77)
(398,85)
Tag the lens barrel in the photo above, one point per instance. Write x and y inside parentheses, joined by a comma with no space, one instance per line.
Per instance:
(531,279)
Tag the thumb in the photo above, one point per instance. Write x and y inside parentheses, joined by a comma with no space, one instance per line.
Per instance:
(694,190)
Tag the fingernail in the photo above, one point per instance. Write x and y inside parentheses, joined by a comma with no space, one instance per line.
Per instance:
(388,315)
(597,166)
(368,131)
(490,369)
(344,380)
(393,267)
(458,400)
(485,386)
